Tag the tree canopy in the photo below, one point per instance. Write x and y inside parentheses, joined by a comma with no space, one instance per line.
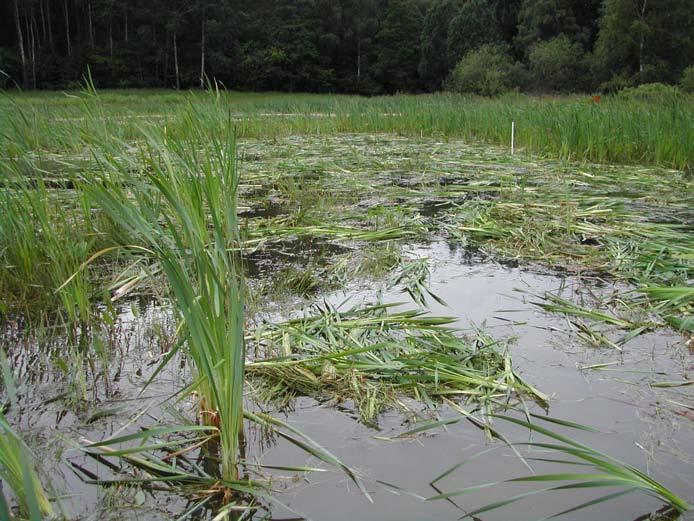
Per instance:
(361,46)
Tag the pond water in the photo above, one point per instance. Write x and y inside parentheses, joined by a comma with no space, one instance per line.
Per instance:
(639,426)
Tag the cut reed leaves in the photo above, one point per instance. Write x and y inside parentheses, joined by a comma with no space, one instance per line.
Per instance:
(605,223)
(609,472)
(374,356)
(413,278)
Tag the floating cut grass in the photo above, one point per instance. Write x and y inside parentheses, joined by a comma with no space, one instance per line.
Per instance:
(181,206)
(577,316)
(674,302)
(609,472)
(17,471)
(630,226)
(413,277)
(16,467)
(374,356)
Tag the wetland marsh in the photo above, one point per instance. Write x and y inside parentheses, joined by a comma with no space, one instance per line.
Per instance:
(280,306)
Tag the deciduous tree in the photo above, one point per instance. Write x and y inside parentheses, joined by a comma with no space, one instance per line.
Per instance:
(474,25)
(435,62)
(398,46)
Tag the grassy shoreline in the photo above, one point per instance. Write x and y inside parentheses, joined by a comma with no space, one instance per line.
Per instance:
(617,130)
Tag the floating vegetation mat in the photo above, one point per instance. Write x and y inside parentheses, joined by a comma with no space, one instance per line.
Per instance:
(629,226)
(373,357)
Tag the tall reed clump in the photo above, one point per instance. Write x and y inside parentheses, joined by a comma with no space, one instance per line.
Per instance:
(179,203)
(41,245)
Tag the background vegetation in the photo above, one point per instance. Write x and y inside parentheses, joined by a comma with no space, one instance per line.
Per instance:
(355,46)
(649,124)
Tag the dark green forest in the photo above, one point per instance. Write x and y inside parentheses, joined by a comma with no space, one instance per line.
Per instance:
(354,46)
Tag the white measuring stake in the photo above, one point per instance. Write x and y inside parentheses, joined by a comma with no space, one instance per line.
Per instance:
(513,137)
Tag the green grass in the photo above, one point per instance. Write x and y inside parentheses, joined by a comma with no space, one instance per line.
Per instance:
(17,469)
(617,130)
(36,257)
(17,472)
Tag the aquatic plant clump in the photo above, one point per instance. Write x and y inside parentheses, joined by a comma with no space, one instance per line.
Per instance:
(182,209)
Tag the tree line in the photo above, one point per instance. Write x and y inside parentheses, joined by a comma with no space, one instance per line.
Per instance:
(356,46)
